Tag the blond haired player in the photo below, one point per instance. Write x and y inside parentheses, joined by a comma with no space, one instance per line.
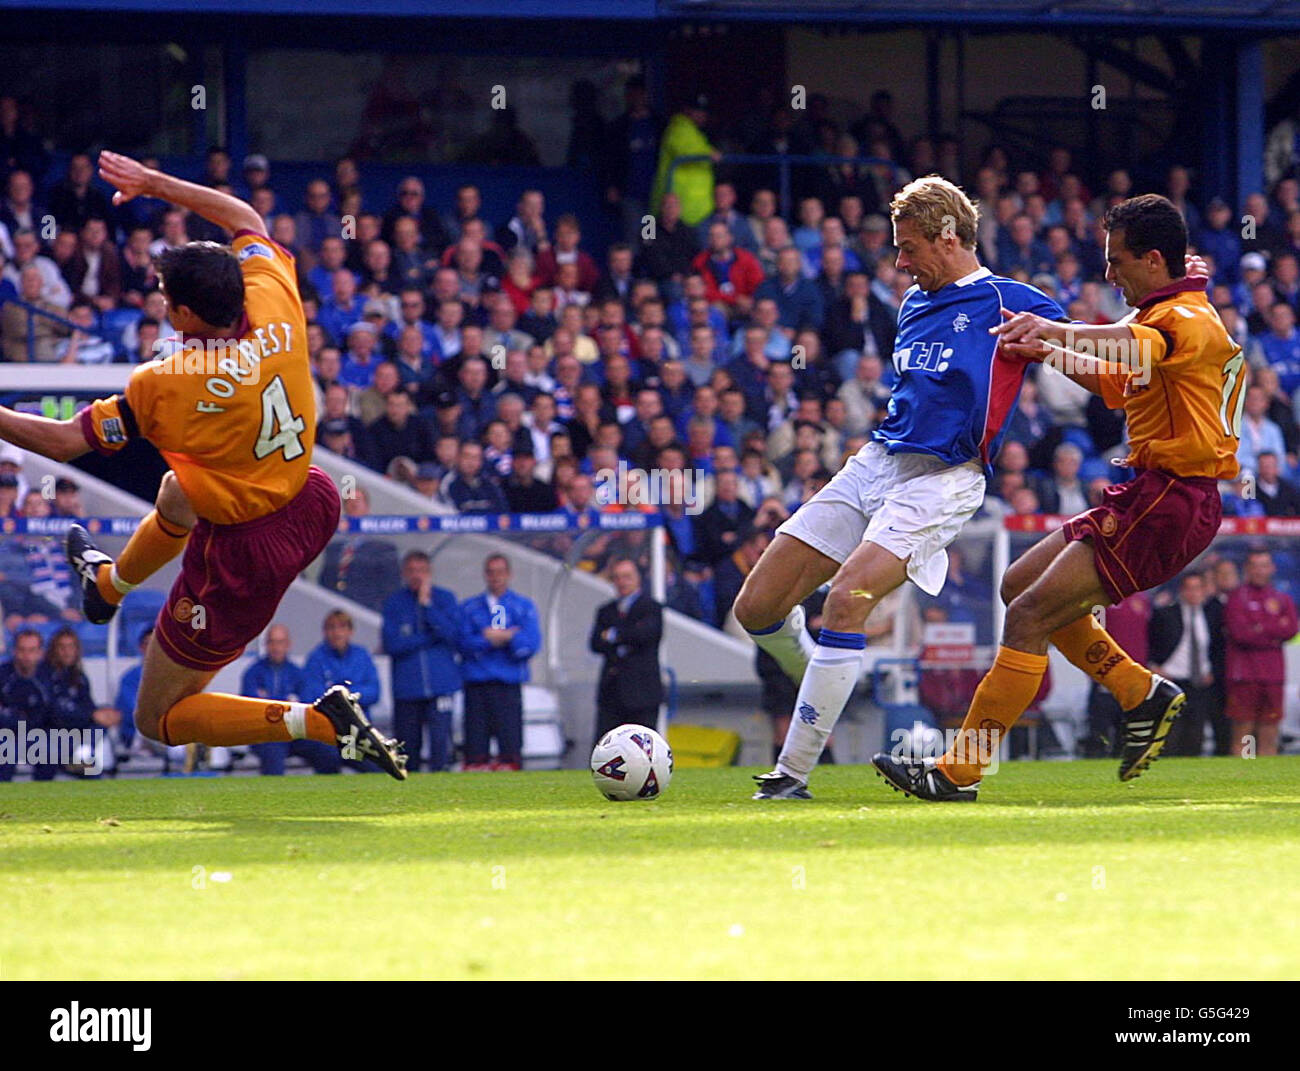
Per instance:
(1180,379)
(234,418)
(890,512)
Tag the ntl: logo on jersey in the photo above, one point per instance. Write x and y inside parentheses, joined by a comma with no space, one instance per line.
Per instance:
(234,357)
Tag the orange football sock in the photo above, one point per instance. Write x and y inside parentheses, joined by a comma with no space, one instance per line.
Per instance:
(221,720)
(1094,650)
(151,546)
(1002,696)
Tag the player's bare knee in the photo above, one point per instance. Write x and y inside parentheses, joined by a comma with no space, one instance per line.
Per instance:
(846,608)
(148,723)
(757,609)
(173,504)
(1024,619)
(1015,581)
(1008,589)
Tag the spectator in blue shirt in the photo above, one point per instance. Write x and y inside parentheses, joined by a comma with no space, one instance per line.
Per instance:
(340,661)
(317,221)
(469,488)
(1259,435)
(274,676)
(1282,346)
(1019,249)
(499,635)
(725,212)
(776,338)
(477,404)
(412,306)
(333,258)
(1219,238)
(798,300)
(128,692)
(341,307)
(363,354)
(421,631)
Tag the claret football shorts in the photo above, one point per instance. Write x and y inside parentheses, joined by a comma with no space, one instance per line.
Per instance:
(233,576)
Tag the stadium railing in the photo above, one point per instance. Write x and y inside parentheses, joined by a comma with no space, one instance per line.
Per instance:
(784,163)
(34,311)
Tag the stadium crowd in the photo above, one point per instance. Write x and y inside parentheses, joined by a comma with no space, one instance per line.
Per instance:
(498,365)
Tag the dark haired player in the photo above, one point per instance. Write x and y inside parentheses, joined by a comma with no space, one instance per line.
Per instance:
(1181,388)
(242,498)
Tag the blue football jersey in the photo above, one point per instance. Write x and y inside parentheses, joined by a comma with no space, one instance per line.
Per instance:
(954,392)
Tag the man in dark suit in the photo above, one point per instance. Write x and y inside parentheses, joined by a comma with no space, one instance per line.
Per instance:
(1183,637)
(627,632)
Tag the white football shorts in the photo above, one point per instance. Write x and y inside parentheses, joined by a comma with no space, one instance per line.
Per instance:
(913,505)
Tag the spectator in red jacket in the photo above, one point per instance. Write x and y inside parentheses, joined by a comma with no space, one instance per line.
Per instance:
(1258,620)
(564,250)
(731,275)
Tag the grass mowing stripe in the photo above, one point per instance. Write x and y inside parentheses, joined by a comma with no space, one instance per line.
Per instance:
(1059,871)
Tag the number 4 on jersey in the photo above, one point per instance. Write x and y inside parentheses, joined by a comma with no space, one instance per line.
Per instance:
(1229,414)
(276,411)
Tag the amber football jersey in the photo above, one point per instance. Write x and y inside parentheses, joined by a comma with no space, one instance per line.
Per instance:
(235,418)
(1183,395)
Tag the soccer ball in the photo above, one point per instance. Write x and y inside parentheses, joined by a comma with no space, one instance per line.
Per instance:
(632,763)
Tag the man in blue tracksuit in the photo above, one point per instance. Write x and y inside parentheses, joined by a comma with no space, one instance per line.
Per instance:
(275,676)
(421,631)
(499,634)
(338,661)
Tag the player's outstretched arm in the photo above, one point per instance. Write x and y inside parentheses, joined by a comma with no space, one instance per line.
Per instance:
(1026,328)
(133,179)
(59,440)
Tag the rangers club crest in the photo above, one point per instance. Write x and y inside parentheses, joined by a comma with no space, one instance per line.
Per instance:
(961,322)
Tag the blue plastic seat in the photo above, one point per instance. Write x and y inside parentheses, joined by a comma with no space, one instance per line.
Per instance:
(139,611)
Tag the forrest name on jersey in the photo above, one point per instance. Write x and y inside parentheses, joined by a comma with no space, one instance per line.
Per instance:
(228,362)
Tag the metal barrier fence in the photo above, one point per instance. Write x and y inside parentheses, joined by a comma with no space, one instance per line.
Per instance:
(784,162)
(33,311)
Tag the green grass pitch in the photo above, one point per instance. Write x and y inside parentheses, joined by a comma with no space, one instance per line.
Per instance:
(1060,871)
